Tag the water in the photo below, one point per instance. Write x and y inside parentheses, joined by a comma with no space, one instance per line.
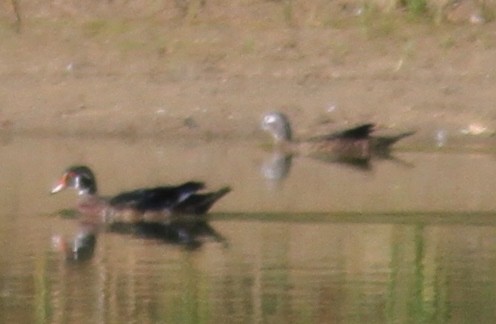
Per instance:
(410,240)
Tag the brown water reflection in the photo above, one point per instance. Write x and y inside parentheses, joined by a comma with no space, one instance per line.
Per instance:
(445,181)
(329,244)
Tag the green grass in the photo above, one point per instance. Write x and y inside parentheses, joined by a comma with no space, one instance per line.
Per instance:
(98,27)
(377,25)
(249,46)
(415,7)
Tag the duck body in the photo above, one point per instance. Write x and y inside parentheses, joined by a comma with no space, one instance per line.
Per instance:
(153,205)
(353,144)
(350,144)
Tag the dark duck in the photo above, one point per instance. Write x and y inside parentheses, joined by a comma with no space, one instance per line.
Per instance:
(149,205)
(355,143)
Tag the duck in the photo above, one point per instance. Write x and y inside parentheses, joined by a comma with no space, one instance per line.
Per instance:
(149,205)
(353,144)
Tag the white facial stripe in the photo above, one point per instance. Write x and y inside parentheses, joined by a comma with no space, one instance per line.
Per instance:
(77,185)
(77,182)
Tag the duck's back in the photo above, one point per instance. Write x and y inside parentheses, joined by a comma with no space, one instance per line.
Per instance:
(155,199)
(353,143)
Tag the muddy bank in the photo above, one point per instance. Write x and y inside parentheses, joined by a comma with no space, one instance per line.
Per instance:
(135,77)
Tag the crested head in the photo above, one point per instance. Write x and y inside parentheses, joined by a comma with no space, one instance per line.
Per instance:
(79,177)
(277,124)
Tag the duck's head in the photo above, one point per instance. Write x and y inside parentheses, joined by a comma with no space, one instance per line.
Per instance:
(277,124)
(79,177)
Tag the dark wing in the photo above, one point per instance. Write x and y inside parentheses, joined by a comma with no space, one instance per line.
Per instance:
(359,132)
(155,198)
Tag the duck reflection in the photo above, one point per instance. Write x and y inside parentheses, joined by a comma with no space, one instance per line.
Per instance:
(354,147)
(276,167)
(189,233)
(82,247)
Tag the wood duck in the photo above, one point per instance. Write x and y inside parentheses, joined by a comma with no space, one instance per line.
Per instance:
(156,205)
(351,144)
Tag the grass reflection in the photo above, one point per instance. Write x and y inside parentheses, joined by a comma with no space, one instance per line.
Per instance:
(302,268)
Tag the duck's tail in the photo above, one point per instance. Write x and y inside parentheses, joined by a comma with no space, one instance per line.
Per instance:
(382,143)
(198,204)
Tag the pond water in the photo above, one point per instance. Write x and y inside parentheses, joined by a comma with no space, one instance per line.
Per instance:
(408,239)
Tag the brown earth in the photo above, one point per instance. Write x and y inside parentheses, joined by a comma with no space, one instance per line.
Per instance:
(215,71)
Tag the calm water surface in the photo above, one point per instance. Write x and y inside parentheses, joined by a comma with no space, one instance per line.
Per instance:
(410,239)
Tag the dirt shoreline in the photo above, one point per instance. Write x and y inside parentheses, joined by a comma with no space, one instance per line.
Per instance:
(136,78)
